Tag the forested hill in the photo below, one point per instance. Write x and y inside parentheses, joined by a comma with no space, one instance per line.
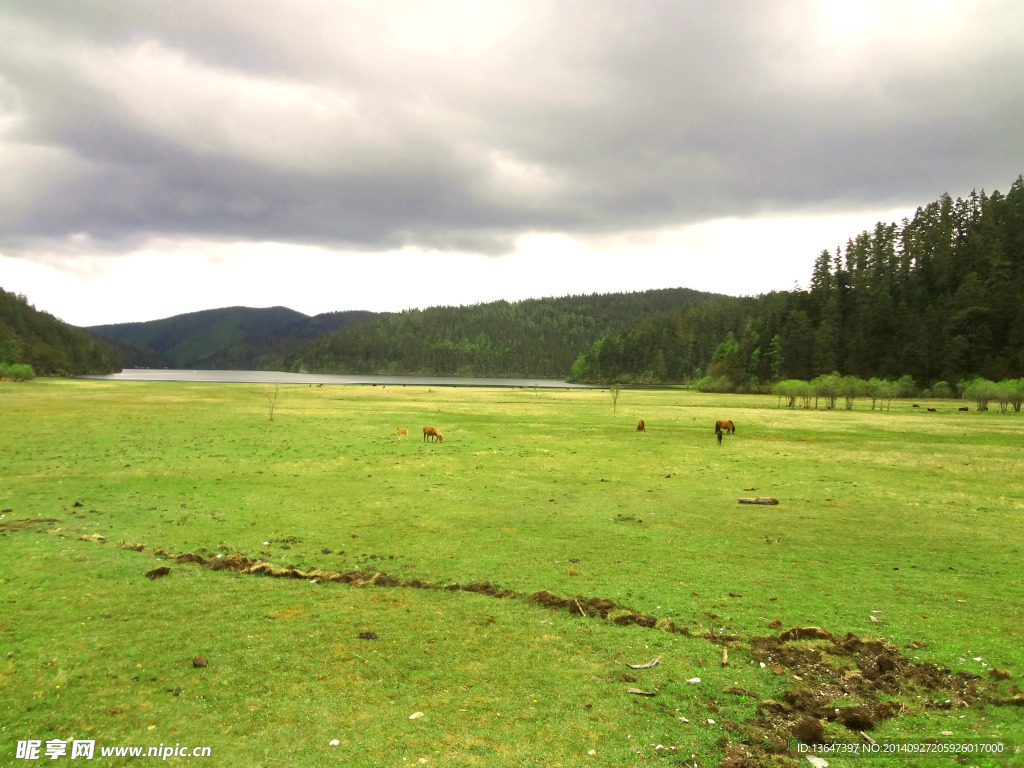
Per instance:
(230,338)
(532,338)
(50,346)
(938,297)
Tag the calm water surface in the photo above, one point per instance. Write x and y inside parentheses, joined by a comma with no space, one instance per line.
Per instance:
(283,377)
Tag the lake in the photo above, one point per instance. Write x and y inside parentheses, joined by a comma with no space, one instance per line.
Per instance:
(284,377)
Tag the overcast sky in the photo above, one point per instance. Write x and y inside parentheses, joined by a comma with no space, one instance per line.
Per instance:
(165,157)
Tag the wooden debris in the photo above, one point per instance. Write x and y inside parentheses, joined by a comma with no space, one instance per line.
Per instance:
(648,665)
(868,739)
(725,657)
(638,692)
(758,500)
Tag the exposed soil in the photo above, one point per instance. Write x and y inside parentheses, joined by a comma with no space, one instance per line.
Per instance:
(24,522)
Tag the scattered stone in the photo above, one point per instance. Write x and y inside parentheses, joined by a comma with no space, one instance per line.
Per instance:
(415,715)
(693,680)
(816,761)
(156,573)
(333,743)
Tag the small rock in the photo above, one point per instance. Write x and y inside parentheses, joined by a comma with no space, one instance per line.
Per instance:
(693,680)
(200,661)
(415,715)
(367,635)
(334,743)
(817,762)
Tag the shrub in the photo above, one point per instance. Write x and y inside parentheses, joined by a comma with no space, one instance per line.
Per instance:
(981,391)
(20,372)
(790,389)
(1015,392)
(851,388)
(828,387)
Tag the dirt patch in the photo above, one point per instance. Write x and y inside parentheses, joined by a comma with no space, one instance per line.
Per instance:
(24,522)
(864,672)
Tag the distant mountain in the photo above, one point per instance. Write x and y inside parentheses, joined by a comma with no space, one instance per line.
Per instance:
(236,338)
(532,338)
(50,346)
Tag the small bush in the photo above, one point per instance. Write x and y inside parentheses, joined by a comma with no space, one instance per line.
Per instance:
(17,372)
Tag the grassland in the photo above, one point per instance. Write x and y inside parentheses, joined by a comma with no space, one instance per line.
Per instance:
(899,526)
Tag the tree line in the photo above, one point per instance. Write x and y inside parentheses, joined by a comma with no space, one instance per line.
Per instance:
(46,345)
(938,297)
(532,338)
(828,389)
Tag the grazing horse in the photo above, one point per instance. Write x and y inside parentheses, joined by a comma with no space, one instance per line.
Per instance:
(724,425)
(432,432)
(640,426)
(403,432)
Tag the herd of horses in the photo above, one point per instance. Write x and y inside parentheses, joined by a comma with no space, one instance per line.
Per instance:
(721,426)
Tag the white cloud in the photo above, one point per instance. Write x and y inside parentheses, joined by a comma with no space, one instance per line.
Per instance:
(731,256)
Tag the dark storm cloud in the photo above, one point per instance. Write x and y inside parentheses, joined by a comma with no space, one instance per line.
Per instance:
(462,126)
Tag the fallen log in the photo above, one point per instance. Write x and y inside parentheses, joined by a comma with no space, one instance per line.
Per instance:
(638,692)
(758,500)
(648,665)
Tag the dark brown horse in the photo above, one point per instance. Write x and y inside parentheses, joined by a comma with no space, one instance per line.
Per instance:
(640,426)
(724,425)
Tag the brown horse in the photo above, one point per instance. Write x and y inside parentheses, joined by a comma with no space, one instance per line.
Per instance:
(403,432)
(724,425)
(640,426)
(432,432)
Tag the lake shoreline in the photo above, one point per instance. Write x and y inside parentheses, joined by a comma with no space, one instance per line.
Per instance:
(321,379)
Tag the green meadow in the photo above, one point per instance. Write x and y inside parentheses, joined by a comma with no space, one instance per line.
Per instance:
(899,531)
